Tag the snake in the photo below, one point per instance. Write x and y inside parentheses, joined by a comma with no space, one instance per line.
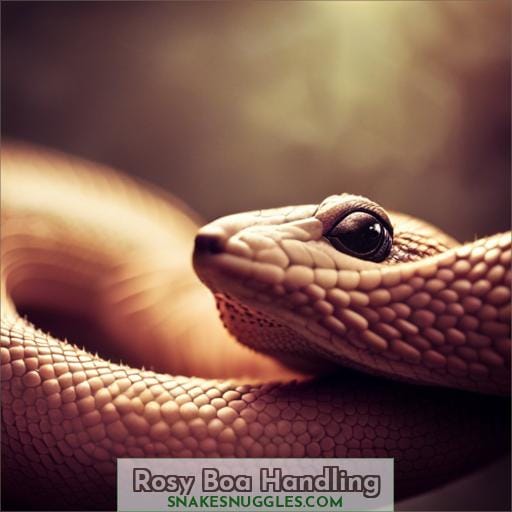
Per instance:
(336,329)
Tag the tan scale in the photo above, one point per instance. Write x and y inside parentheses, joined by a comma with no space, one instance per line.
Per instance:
(77,238)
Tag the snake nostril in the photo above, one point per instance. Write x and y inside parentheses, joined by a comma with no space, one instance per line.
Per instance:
(210,242)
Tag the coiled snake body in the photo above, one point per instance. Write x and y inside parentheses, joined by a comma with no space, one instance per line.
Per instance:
(319,288)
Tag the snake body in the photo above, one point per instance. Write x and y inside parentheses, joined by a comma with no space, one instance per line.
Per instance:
(82,239)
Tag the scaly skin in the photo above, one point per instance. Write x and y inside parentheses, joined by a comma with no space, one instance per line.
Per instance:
(96,243)
(434,312)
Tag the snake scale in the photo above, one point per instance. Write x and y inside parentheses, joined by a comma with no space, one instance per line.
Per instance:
(333,297)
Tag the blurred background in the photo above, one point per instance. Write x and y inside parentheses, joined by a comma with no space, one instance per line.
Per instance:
(235,106)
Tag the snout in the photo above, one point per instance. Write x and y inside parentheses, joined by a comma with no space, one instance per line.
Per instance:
(210,239)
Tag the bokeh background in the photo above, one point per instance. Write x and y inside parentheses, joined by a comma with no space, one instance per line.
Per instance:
(235,106)
(247,105)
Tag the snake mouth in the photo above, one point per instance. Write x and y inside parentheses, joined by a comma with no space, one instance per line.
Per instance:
(247,309)
(212,264)
(373,319)
(258,314)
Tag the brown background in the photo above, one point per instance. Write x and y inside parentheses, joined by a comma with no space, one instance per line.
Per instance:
(237,106)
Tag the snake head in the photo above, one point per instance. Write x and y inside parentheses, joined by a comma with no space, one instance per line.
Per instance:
(347,283)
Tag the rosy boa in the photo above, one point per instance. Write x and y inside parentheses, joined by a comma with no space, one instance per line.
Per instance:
(295,283)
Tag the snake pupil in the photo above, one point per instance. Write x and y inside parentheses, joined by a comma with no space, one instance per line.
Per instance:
(363,235)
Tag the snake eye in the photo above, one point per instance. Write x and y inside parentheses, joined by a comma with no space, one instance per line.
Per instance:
(362,234)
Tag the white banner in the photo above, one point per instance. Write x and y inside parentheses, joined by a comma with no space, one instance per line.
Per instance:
(273,485)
